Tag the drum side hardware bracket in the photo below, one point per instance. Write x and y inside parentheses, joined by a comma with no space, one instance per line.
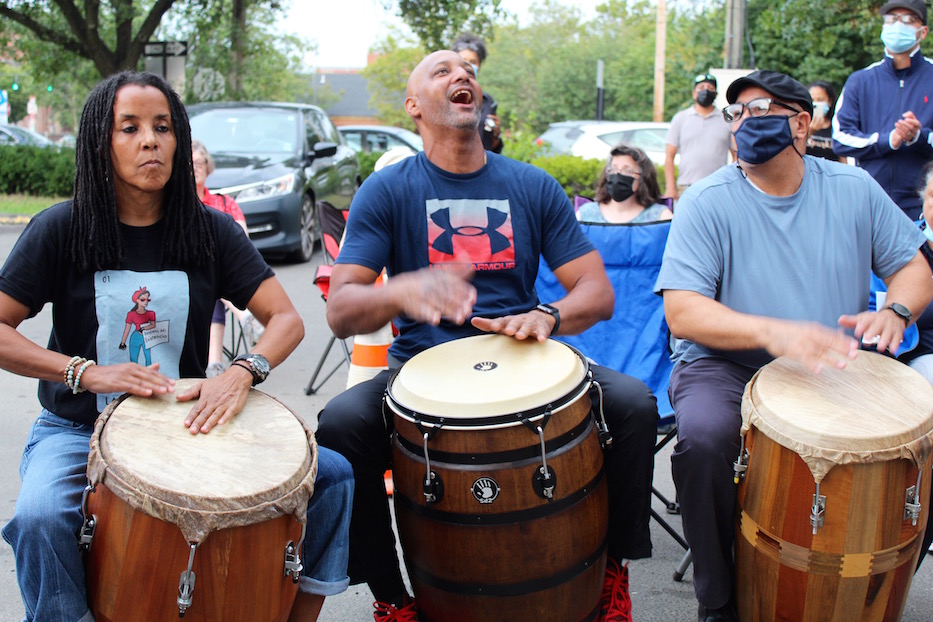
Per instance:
(605,437)
(86,534)
(432,484)
(293,564)
(740,466)
(911,506)
(186,583)
(818,510)
(545,480)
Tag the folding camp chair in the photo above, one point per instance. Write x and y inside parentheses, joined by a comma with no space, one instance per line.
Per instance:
(636,341)
(333,221)
(237,338)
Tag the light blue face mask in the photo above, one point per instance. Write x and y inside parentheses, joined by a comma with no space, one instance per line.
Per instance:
(475,69)
(898,37)
(823,107)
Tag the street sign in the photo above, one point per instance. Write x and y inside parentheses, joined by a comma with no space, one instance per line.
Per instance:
(167,58)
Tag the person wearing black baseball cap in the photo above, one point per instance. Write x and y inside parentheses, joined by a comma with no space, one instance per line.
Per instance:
(764,259)
(701,137)
(890,135)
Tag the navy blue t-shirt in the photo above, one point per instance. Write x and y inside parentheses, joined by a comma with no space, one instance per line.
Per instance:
(499,220)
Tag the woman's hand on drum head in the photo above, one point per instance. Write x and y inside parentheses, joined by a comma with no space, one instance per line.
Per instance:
(129,378)
(219,399)
(522,326)
(430,295)
(882,329)
(811,344)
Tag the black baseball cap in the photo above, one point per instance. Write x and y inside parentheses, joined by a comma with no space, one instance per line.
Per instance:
(704,77)
(917,6)
(776,83)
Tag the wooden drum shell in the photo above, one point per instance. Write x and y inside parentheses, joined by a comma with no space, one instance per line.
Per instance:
(864,434)
(519,558)
(136,561)
(491,546)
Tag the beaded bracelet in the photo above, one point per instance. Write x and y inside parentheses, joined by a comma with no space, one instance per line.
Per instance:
(77,386)
(70,371)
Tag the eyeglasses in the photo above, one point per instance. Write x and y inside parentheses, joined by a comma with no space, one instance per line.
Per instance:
(704,77)
(199,163)
(630,172)
(756,108)
(905,18)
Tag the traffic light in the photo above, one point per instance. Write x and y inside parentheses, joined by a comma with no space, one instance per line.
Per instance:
(49,88)
(15,85)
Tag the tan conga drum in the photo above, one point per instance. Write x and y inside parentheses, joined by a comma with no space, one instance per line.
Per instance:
(486,536)
(208,526)
(832,509)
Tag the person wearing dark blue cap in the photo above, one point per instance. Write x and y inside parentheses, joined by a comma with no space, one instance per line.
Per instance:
(883,117)
(769,258)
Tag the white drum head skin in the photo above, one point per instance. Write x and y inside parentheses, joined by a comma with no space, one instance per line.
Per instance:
(486,376)
(260,462)
(875,409)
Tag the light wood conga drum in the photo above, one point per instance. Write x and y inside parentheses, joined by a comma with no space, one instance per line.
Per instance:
(834,503)
(487,537)
(208,525)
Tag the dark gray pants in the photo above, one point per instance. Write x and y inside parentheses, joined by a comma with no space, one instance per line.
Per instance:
(707,399)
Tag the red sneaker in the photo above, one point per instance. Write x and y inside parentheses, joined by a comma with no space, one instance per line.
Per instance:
(387,612)
(615,604)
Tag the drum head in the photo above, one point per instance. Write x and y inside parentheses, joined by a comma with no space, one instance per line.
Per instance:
(261,458)
(871,410)
(487,376)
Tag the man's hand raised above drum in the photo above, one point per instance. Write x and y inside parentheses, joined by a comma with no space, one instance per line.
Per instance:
(355,307)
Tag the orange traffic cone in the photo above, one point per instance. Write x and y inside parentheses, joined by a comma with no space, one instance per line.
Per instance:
(368,357)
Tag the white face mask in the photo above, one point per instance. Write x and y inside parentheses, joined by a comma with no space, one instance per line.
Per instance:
(475,69)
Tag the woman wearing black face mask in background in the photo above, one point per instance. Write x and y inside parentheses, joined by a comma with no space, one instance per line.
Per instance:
(627,191)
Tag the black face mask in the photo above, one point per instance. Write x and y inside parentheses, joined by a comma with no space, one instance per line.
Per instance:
(706,98)
(620,187)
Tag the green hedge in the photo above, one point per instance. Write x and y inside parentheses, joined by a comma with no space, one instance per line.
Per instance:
(37,171)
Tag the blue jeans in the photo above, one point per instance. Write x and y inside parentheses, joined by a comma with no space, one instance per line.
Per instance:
(47,517)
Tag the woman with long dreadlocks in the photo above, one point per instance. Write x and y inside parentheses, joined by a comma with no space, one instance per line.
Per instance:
(136,218)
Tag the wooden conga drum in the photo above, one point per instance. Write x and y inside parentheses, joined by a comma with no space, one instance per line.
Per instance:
(208,526)
(832,509)
(486,536)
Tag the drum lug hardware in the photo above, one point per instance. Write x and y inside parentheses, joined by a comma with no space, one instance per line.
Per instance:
(86,534)
(605,437)
(911,507)
(740,466)
(544,480)
(818,510)
(432,484)
(544,483)
(293,565)
(186,584)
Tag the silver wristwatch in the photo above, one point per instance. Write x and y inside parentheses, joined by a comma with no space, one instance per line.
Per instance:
(258,366)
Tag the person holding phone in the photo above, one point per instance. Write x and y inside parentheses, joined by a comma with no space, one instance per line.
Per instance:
(472,49)
(820,136)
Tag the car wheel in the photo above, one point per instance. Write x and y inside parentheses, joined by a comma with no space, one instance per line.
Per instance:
(308,231)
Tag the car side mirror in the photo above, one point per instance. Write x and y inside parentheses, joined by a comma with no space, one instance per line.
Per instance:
(323,150)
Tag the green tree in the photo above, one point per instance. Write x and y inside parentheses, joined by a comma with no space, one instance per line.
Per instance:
(437,22)
(815,39)
(388,78)
(109,34)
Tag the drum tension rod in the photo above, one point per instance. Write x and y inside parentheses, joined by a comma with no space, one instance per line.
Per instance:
(432,485)
(912,505)
(818,510)
(605,437)
(740,466)
(544,480)
(186,583)
(86,535)
(293,557)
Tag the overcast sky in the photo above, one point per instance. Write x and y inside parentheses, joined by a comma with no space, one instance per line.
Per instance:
(345,29)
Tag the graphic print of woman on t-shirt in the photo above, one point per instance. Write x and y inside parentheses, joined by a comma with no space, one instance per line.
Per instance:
(138,319)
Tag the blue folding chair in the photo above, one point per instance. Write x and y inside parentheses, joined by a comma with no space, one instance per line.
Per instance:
(636,341)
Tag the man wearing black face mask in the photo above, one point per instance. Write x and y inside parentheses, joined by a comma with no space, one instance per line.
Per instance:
(701,137)
(770,258)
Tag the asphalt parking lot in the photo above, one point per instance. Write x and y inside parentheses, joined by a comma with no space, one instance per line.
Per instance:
(655,595)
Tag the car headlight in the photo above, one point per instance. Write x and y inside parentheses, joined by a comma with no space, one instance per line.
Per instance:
(261,190)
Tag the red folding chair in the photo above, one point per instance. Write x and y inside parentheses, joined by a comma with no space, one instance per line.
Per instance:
(333,222)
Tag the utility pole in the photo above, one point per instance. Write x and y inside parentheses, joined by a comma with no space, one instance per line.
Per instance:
(660,44)
(600,92)
(735,34)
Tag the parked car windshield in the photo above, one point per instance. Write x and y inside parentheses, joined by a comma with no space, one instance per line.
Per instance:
(247,130)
